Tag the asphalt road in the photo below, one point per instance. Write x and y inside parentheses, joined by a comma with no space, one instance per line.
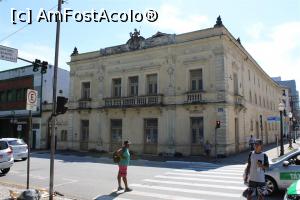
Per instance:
(86,178)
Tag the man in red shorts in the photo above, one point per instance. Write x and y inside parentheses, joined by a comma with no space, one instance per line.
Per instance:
(123,164)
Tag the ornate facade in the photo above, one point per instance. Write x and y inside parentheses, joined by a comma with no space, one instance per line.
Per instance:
(165,94)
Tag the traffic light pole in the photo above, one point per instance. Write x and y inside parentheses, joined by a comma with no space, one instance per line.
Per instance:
(54,104)
(216,155)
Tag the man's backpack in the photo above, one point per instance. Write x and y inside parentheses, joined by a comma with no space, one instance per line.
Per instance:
(116,157)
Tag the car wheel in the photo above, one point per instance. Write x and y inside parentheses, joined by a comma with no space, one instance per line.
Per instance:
(271,185)
(24,159)
(4,171)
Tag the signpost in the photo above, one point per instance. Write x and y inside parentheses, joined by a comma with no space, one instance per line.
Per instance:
(31,105)
(8,54)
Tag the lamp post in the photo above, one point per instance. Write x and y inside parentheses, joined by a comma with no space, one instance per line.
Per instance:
(294,129)
(290,129)
(281,108)
(13,121)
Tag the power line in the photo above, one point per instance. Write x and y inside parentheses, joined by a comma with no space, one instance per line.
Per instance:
(13,33)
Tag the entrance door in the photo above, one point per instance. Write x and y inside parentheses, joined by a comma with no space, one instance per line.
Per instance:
(197,139)
(237,136)
(257,130)
(266,133)
(84,135)
(150,136)
(116,134)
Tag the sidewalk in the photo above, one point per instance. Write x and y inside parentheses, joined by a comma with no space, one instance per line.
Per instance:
(270,149)
(5,192)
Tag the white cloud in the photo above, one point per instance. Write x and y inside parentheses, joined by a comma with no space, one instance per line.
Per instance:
(172,18)
(278,54)
(255,30)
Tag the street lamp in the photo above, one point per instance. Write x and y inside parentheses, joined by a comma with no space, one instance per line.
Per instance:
(281,108)
(290,128)
(13,121)
(294,129)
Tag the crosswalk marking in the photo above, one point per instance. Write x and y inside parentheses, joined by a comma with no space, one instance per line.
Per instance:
(202,169)
(214,193)
(210,172)
(197,184)
(197,179)
(204,175)
(162,196)
(109,197)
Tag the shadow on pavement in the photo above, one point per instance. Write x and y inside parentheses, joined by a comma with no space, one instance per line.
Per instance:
(110,196)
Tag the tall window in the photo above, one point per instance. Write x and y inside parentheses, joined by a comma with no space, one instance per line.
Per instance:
(64,135)
(260,100)
(196,83)
(85,90)
(152,84)
(255,99)
(251,125)
(11,95)
(116,130)
(249,74)
(151,131)
(21,95)
(3,96)
(117,87)
(250,96)
(197,130)
(133,86)
(84,130)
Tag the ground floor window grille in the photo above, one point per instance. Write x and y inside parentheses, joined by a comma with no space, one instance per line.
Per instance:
(116,130)
(84,130)
(197,130)
(151,131)
(64,135)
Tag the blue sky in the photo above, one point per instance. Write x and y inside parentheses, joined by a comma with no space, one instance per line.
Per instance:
(269,29)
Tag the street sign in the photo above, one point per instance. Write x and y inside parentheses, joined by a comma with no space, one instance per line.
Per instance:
(273,118)
(31,100)
(8,54)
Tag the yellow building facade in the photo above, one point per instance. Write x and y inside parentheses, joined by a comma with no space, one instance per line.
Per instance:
(165,94)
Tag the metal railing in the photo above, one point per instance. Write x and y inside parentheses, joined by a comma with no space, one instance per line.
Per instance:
(133,101)
(194,97)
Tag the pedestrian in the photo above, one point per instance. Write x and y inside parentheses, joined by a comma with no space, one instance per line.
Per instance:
(255,171)
(251,143)
(207,148)
(123,164)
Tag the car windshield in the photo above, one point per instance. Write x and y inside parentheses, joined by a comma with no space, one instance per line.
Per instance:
(16,142)
(284,156)
(3,145)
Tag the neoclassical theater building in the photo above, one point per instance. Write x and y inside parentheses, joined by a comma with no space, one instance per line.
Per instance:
(166,92)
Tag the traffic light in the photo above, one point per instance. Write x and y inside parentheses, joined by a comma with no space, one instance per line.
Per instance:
(36,65)
(44,67)
(60,105)
(218,124)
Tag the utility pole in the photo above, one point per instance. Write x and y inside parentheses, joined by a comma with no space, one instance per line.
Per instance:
(54,104)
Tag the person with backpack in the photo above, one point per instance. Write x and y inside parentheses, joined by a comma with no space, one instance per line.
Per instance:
(258,162)
(124,158)
(251,143)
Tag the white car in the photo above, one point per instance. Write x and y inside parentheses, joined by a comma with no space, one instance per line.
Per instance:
(19,147)
(283,171)
(6,157)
